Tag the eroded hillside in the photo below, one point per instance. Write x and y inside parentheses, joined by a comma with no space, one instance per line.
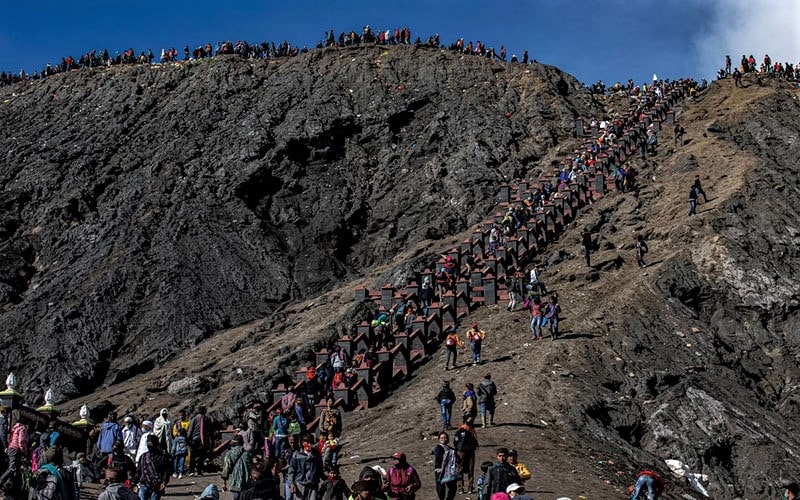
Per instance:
(693,358)
(145,208)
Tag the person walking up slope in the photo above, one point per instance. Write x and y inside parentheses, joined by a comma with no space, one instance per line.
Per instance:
(476,337)
(487,390)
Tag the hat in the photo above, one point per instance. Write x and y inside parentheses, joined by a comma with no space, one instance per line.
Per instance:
(128,419)
(400,456)
(500,496)
(164,412)
(514,487)
(512,453)
(474,325)
(793,488)
(147,423)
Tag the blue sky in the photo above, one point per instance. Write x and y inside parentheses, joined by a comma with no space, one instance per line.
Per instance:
(609,40)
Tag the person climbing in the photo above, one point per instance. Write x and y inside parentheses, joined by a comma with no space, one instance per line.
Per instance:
(334,487)
(536,281)
(426,295)
(445,467)
(476,337)
(514,291)
(18,447)
(552,315)
(236,465)
(446,398)
(698,187)
(679,131)
(451,344)
(650,480)
(586,246)
(535,305)
(487,390)
(330,419)
(305,471)
(500,475)
(692,201)
(641,250)
(403,479)
(469,404)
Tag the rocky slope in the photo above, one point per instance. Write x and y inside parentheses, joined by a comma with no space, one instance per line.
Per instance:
(693,359)
(145,208)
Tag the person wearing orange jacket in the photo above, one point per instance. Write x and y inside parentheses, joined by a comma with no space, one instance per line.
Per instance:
(451,344)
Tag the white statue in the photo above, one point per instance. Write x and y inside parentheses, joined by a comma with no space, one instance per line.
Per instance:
(84,413)
(49,397)
(11,382)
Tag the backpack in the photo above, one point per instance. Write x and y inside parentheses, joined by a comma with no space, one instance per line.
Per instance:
(180,446)
(464,440)
(449,466)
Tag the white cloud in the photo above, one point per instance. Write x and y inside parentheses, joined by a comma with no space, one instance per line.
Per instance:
(747,27)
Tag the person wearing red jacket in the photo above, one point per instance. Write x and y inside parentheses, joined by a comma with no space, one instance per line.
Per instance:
(650,480)
(403,479)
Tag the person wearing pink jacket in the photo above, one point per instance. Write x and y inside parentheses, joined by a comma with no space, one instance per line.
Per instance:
(17,449)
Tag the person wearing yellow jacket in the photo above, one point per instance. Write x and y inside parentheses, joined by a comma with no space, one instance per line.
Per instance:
(522,469)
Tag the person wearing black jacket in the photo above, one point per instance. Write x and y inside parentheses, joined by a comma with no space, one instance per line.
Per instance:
(446,398)
(500,475)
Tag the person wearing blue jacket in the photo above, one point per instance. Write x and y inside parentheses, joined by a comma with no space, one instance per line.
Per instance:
(110,431)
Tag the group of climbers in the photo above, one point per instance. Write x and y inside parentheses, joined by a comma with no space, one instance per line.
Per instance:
(141,456)
(263,50)
(768,67)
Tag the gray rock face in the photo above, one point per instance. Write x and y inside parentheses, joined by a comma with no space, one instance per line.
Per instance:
(144,208)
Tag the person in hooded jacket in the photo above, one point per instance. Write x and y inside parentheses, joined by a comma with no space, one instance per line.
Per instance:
(18,444)
(403,479)
(161,429)
(110,431)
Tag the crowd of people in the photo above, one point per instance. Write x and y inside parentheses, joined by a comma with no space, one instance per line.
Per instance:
(263,50)
(768,67)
